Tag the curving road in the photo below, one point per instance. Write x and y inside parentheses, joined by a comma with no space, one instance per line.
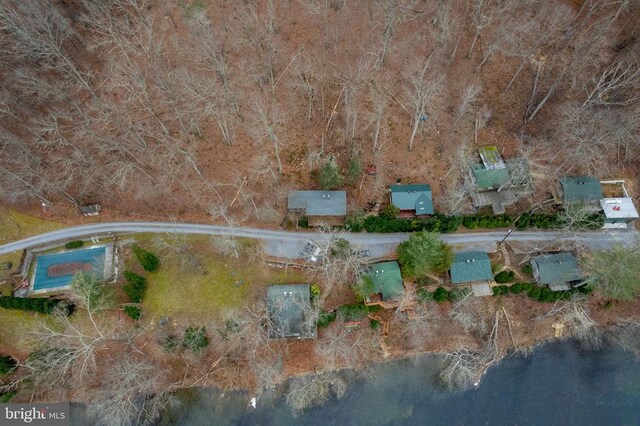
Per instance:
(290,243)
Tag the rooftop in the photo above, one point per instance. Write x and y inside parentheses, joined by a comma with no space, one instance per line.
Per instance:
(491,157)
(289,307)
(387,279)
(319,203)
(471,266)
(556,268)
(413,197)
(619,208)
(489,178)
(581,189)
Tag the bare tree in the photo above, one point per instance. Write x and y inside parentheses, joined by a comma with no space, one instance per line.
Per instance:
(131,394)
(421,94)
(268,125)
(618,85)
(308,391)
(469,98)
(342,347)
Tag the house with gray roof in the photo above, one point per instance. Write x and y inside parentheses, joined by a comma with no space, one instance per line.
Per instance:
(416,198)
(322,208)
(496,182)
(290,312)
(558,270)
(386,283)
(473,269)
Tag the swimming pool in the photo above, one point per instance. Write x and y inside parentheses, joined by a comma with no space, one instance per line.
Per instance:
(55,271)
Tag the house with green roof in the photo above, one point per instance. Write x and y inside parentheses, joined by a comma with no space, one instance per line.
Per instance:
(416,198)
(496,182)
(558,270)
(474,269)
(386,282)
(290,312)
(582,189)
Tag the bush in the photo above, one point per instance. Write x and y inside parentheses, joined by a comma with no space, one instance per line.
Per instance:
(195,338)
(170,344)
(133,312)
(353,312)
(6,397)
(527,269)
(148,260)
(516,288)
(534,292)
(325,318)
(74,244)
(374,324)
(505,277)
(7,365)
(37,304)
(136,286)
(424,295)
(441,294)
(315,290)
(303,222)
(5,266)
(328,177)
(355,221)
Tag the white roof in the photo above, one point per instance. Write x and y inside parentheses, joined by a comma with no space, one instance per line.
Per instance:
(619,208)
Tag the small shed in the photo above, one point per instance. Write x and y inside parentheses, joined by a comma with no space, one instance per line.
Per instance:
(558,270)
(416,198)
(387,280)
(581,189)
(474,269)
(290,313)
(320,207)
(90,209)
(618,211)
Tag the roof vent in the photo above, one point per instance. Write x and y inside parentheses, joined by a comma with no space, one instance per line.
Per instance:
(328,195)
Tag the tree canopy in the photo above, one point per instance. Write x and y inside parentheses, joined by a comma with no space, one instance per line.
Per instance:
(615,273)
(329,177)
(424,253)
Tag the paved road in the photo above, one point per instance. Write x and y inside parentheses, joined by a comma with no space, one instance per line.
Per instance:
(289,243)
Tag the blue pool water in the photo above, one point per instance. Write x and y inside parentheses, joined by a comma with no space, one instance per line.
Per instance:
(44,280)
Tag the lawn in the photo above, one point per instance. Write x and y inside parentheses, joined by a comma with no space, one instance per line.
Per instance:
(219,284)
(15,226)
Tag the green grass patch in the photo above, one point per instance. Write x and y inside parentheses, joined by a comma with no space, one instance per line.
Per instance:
(221,283)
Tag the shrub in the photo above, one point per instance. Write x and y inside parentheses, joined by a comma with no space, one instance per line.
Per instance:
(136,286)
(527,269)
(37,304)
(5,266)
(148,260)
(7,396)
(534,292)
(315,290)
(441,294)
(170,344)
(354,169)
(74,244)
(504,289)
(303,222)
(325,318)
(133,312)
(355,221)
(374,324)
(7,365)
(516,288)
(423,294)
(353,312)
(505,277)
(195,338)
(328,176)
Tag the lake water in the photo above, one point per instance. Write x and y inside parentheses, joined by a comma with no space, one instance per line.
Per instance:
(558,384)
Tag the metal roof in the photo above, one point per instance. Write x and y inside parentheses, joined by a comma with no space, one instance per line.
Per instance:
(619,208)
(556,268)
(489,179)
(416,197)
(471,266)
(581,188)
(289,307)
(387,279)
(319,203)
(491,157)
